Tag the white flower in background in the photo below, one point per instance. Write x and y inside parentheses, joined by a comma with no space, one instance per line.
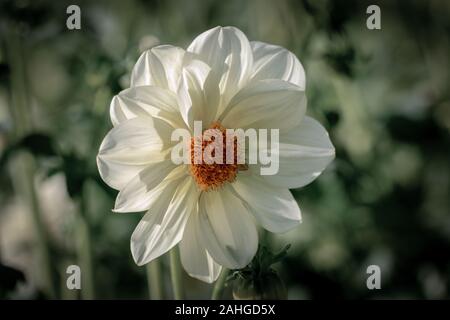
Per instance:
(210,210)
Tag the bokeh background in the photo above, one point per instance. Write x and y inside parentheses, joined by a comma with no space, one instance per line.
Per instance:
(382,94)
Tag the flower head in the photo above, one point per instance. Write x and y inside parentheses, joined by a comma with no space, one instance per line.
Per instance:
(210,209)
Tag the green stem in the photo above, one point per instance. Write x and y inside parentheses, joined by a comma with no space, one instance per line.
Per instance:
(85,254)
(176,274)
(24,185)
(24,167)
(265,237)
(20,101)
(154,280)
(219,287)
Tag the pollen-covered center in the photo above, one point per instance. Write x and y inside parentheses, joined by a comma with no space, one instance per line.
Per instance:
(214,175)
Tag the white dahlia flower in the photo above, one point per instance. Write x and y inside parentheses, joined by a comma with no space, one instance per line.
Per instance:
(211,210)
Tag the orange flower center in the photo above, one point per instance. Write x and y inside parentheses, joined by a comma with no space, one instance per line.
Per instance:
(214,175)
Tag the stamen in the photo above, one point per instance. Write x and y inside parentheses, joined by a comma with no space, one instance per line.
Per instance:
(213,176)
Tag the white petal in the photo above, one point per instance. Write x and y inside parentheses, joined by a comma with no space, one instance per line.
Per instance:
(195,259)
(227,229)
(198,96)
(275,208)
(129,147)
(305,152)
(274,62)
(163,225)
(268,104)
(138,194)
(145,101)
(227,51)
(159,66)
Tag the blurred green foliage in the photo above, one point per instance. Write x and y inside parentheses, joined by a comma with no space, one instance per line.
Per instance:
(382,94)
